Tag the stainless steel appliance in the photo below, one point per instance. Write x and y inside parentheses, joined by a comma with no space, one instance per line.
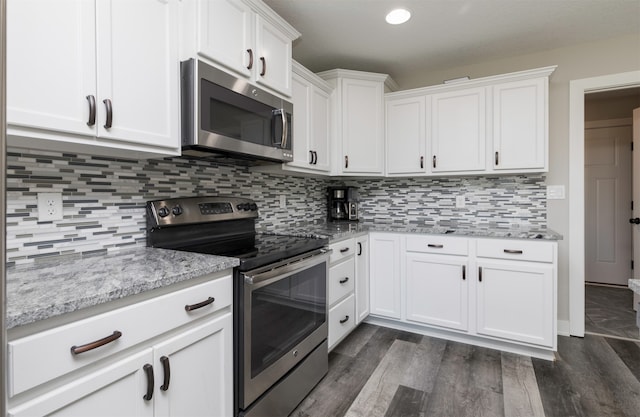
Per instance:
(342,204)
(224,114)
(280,296)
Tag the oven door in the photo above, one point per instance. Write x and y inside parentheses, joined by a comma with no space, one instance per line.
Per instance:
(284,319)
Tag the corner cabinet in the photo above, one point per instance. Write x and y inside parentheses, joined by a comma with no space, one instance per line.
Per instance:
(358,121)
(362,278)
(160,361)
(385,275)
(247,37)
(109,88)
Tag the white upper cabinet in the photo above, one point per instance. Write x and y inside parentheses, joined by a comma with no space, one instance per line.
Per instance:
(520,125)
(458,130)
(358,110)
(247,37)
(406,138)
(311,96)
(112,73)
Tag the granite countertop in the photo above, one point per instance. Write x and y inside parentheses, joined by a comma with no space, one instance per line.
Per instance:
(62,285)
(336,231)
(634,284)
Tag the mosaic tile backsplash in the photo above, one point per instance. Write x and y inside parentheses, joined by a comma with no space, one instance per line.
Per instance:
(104,199)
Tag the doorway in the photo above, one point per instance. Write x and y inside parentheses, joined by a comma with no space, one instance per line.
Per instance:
(608,207)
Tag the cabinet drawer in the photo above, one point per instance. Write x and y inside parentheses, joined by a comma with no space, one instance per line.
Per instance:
(519,250)
(41,357)
(341,320)
(341,280)
(342,249)
(438,244)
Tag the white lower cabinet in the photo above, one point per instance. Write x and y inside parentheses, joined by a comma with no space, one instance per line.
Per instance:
(362,278)
(183,367)
(341,283)
(341,320)
(385,275)
(493,292)
(437,291)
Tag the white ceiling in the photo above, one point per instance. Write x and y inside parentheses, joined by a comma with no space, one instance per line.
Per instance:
(441,34)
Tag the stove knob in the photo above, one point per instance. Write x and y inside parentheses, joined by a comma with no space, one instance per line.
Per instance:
(254,206)
(163,211)
(177,210)
(240,207)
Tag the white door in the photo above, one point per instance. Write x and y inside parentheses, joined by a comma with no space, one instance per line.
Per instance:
(51,68)
(636,192)
(406,135)
(199,365)
(138,71)
(608,205)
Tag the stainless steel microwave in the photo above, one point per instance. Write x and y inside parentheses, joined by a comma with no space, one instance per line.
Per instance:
(224,114)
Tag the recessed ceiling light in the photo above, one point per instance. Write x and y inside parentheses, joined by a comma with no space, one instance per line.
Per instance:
(398,16)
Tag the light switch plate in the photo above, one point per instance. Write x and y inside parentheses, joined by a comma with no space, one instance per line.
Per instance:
(555,192)
(49,206)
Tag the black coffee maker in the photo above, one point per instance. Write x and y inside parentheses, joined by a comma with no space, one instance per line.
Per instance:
(342,204)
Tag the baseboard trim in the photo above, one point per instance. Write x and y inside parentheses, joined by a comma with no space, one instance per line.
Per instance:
(564,329)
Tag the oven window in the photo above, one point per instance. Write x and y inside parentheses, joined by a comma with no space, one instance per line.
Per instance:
(284,313)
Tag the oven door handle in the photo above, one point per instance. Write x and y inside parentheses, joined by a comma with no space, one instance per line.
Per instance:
(285,268)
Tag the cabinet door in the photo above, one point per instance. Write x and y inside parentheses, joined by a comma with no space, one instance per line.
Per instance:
(516,302)
(138,71)
(319,139)
(301,95)
(458,131)
(113,390)
(437,291)
(385,275)
(225,34)
(273,65)
(362,278)
(199,363)
(362,126)
(519,125)
(406,135)
(51,64)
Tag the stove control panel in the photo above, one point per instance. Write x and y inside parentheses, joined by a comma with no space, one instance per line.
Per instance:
(188,210)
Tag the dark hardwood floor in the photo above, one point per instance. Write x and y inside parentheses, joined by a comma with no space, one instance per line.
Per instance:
(381,372)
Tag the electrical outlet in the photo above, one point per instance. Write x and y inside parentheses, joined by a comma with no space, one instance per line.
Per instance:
(460,201)
(49,206)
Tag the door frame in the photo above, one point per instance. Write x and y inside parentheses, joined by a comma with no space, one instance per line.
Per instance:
(577,90)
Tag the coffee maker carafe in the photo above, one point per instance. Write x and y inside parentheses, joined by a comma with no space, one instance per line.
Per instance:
(342,204)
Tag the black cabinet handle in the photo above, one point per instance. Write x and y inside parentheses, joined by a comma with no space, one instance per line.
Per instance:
(344,320)
(315,158)
(513,251)
(92,110)
(109,121)
(464,272)
(344,281)
(431,245)
(93,345)
(311,157)
(497,158)
(167,373)
(635,221)
(434,161)
(480,273)
(264,66)
(199,305)
(250,52)
(148,370)
(359,248)
(346,161)
(422,162)
(343,250)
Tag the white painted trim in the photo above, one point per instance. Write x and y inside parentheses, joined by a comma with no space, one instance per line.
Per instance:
(563,328)
(577,90)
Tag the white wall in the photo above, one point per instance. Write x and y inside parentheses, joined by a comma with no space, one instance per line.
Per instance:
(611,56)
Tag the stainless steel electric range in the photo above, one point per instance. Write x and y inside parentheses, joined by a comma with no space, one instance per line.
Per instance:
(280,296)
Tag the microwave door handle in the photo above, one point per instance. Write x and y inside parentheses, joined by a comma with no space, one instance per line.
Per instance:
(285,129)
(274,114)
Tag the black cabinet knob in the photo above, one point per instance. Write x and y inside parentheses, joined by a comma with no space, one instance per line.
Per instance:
(635,221)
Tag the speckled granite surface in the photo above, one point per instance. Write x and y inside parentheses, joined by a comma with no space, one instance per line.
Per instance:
(336,231)
(47,289)
(634,284)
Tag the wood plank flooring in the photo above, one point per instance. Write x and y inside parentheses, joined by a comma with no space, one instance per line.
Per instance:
(609,312)
(381,372)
